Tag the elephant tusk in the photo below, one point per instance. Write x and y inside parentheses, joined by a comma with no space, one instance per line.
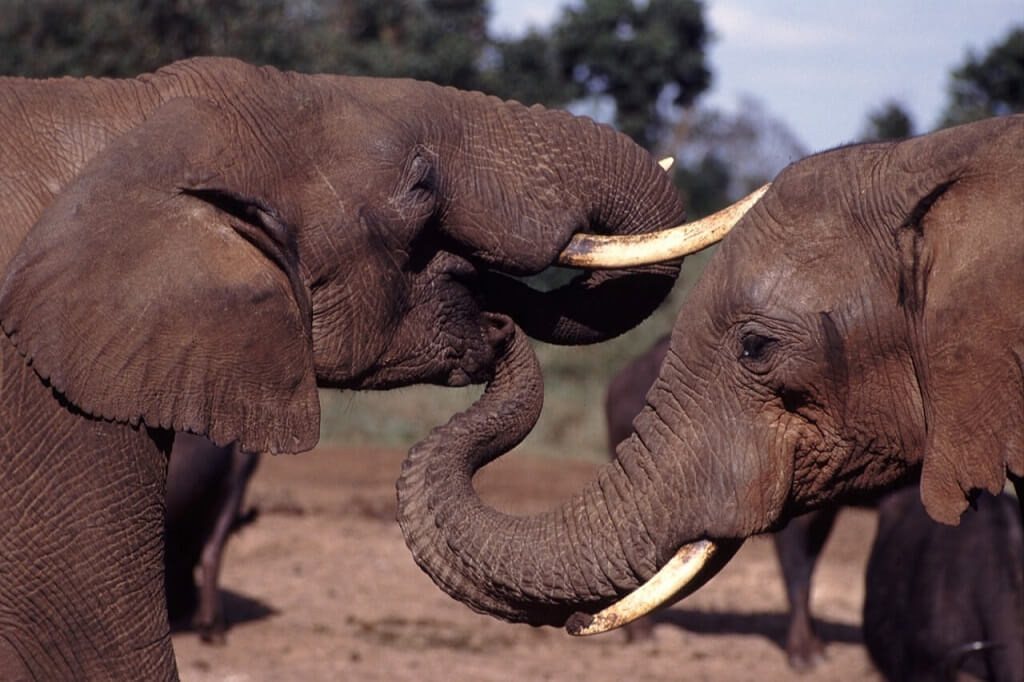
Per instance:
(684,573)
(621,251)
(667,163)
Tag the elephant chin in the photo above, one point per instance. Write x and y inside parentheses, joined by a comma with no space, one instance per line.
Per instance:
(692,565)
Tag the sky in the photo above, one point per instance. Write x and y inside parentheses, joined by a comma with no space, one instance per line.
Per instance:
(821,66)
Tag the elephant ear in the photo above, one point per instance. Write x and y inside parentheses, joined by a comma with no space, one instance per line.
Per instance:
(962,287)
(158,288)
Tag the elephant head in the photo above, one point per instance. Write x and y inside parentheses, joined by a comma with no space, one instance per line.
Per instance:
(862,323)
(204,246)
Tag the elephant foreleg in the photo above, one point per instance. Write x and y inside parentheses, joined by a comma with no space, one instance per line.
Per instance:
(81,551)
(1018,487)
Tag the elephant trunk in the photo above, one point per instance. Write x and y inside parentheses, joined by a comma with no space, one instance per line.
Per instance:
(570,175)
(581,556)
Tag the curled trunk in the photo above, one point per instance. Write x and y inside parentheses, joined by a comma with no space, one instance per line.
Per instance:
(581,556)
(568,175)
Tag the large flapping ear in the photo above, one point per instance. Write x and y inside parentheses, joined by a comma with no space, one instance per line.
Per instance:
(156,287)
(963,292)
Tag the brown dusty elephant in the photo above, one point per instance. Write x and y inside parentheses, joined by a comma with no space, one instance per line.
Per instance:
(797,546)
(942,600)
(200,248)
(206,485)
(861,325)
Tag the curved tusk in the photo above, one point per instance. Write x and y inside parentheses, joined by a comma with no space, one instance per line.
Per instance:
(667,163)
(621,251)
(672,582)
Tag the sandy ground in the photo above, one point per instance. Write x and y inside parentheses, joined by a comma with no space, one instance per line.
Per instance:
(321,587)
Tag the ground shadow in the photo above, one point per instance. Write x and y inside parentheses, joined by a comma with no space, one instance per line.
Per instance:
(238,609)
(771,625)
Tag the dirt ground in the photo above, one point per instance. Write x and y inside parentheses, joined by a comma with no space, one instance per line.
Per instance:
(321,587)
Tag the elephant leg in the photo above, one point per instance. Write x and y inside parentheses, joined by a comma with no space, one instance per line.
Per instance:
(210,618)
(1018,487)
(81,527)
(798,546)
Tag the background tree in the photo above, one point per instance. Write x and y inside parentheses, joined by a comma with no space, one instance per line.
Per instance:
(988,85)
(437,40)
(888,122)
(723,156)
(649,58)
(125,37)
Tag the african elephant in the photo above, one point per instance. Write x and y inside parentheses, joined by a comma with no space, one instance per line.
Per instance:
(205,487)
(200,248)
(940,599)
(797,546)
(859,327)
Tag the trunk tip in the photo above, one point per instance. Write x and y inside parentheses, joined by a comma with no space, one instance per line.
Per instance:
(578,623)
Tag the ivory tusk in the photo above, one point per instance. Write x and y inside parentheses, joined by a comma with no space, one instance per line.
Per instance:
(673,581)
(621,251)
(667,163)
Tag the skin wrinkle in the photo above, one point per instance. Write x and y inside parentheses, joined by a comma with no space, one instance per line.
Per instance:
(595,564)
(623,490)
(673,363)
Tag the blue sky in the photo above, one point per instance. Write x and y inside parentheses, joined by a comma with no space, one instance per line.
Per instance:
(821,65)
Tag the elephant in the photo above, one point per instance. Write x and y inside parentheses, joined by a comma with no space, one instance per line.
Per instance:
(859,327)
(942,600)
(797,546)
(201,248)
(205,487)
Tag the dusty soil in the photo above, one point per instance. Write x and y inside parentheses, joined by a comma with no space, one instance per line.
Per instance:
(321,587)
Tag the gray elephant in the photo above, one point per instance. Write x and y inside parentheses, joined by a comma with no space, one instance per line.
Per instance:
(861,326)
(797,546)
(206,485)
(941,600)
(200,248)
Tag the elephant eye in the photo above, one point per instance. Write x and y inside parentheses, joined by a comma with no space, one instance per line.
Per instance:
(755,347)
(423,175)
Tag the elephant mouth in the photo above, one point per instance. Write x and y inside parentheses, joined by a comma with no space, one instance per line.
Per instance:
(692,565)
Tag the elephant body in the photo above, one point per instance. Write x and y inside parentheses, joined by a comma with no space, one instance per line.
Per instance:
(206,485)
(940,600)
(859,328)
(201,248)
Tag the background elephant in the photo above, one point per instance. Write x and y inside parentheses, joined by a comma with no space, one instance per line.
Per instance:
(205,488)
(200,248)
(942,599)
(798,545)
(859,327)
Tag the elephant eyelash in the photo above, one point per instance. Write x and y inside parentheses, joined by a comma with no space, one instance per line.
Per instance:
(425,177)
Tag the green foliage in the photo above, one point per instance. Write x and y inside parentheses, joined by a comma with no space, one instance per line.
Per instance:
(989,85)
(888,122)
(436,40)
(647,57)
(126,37)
